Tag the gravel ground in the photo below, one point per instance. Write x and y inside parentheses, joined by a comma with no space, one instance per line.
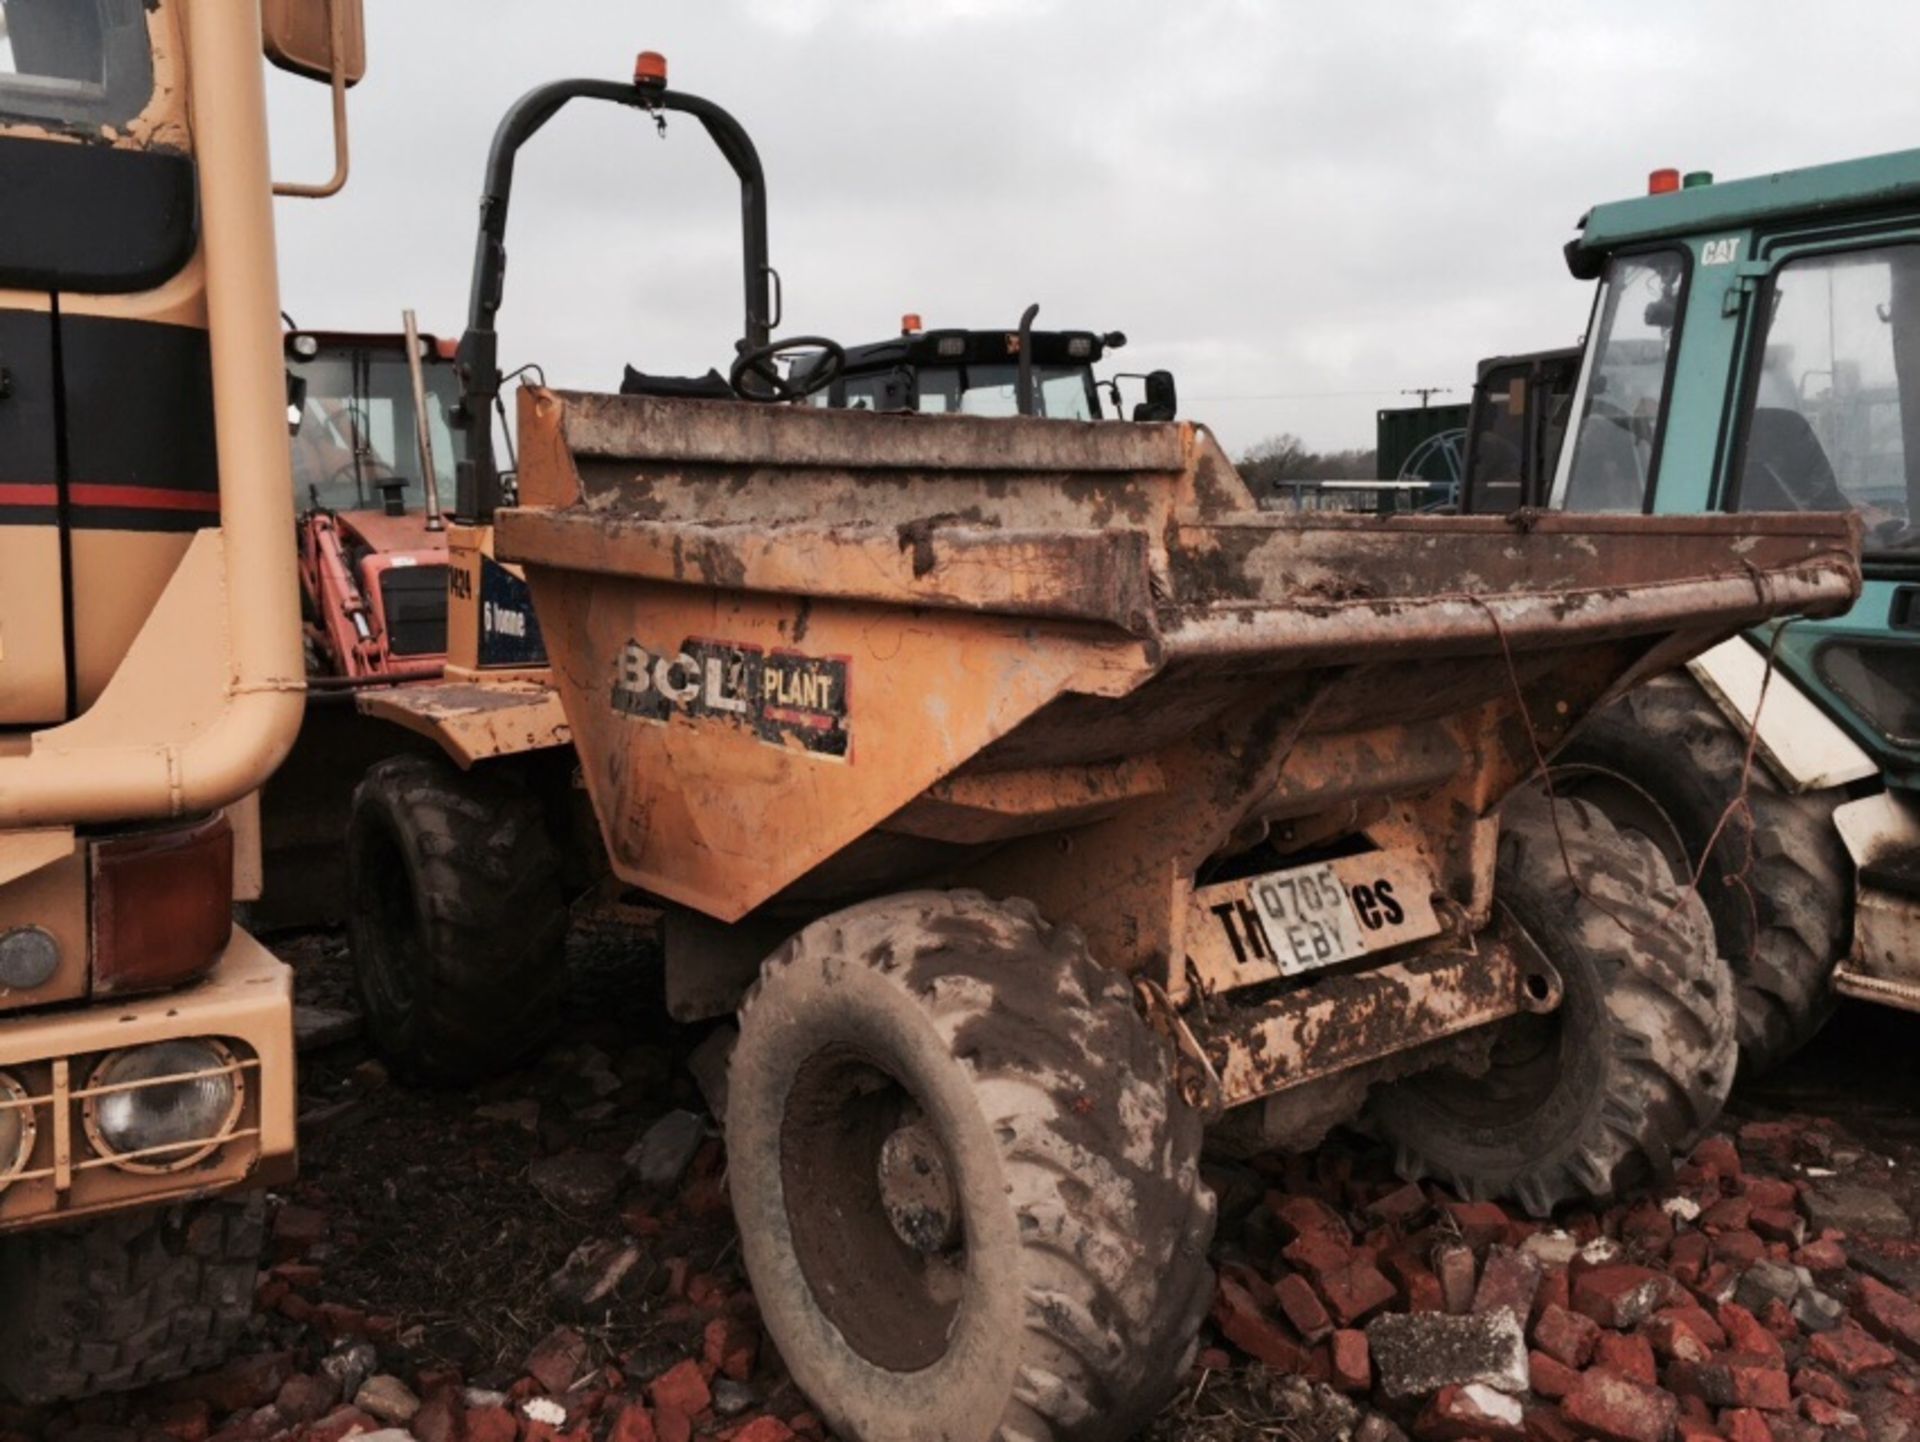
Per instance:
(493,1265)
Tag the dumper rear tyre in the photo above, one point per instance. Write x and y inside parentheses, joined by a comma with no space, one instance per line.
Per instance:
(1779,891)
(968,1197)
(128,1300)
(458,922)
(1583,1102)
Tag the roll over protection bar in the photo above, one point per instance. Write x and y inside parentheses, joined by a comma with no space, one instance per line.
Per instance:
(477,489)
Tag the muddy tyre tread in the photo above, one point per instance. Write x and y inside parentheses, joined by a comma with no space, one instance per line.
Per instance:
(491,918)
(1665,1020)
(128,1300)
(1114,1292)
(1781,930)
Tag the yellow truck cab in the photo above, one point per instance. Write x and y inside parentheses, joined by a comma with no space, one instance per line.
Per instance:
(150,674)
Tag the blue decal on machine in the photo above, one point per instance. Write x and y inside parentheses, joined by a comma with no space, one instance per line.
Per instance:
(509,630)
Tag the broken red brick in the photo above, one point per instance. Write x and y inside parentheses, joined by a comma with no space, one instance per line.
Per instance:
(763,1429)
(491,1424)
(1772,1140)
(1687,1257)
(559,1357)
(1738,1249)
(1823,1255)
(1509,1279)
(1617,1409)
(1480,1223)
(351,1421)
(1459,1413)
(1832,1420)
(1566,1336)
(681,1387)
(1731,1379)
(1769,1192)
(1305,1216)
(1453,1264)
(731,1346)
(1545,1424)
(1744,1425)
(1399,1206)
(1549,1376)
(1777,1224)
(1417,1288)
(1647,1228)
(1718,1155)
(1351,1362)
(1746,1334)
(1302,1308)
(297,1228)
(1674,1337)
(1849,1351)
(1630,1356)
(1621,1294)
(1812,1382)
(1729,1215)
(1354,1289)
(1242,1323)
(1892,1318)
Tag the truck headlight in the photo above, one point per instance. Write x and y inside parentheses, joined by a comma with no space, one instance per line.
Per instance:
(162,1107)
(16,1129)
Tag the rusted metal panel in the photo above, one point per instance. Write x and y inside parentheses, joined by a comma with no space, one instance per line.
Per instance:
(979,807)
(1294,922)
(1343,1021)
(1475,616)
(639,428)
(734,740)
(1075,575)
(788,640)
(473,721)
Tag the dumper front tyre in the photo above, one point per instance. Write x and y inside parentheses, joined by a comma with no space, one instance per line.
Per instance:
(1583,1102)
(458,921)
(127,1300)
(969,1200)
(1779,888)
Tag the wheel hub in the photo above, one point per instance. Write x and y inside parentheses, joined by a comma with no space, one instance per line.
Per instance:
(916,1189)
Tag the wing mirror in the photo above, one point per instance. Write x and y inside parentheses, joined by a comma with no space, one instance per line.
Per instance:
(1163,398)
(321,40)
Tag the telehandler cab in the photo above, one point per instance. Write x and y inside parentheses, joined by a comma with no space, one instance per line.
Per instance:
(150,674)
(1039,801)
(1755,346)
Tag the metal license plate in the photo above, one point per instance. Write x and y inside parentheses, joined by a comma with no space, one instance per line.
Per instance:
(1284,923)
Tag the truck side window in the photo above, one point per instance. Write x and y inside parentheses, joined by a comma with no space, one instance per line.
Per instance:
(1623,390)
(1827,430)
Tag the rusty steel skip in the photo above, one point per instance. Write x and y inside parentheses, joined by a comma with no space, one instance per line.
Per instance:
(811,656)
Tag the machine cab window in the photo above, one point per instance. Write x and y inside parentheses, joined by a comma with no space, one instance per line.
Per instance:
(1825,429)
(355,448)
(1622,397)
(76,61)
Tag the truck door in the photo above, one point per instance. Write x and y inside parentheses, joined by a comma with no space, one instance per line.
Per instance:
(106,418)
(33,660)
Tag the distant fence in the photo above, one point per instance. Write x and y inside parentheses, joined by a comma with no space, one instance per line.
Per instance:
(1378,497)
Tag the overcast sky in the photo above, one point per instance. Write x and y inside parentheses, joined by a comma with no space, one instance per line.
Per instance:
(1300,208)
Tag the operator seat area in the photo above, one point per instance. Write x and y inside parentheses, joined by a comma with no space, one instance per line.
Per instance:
(710,387)
(1786,468)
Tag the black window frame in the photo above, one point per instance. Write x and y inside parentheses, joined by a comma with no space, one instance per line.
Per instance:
(1682,301)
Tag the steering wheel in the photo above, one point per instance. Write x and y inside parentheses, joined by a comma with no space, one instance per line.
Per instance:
(759,363)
